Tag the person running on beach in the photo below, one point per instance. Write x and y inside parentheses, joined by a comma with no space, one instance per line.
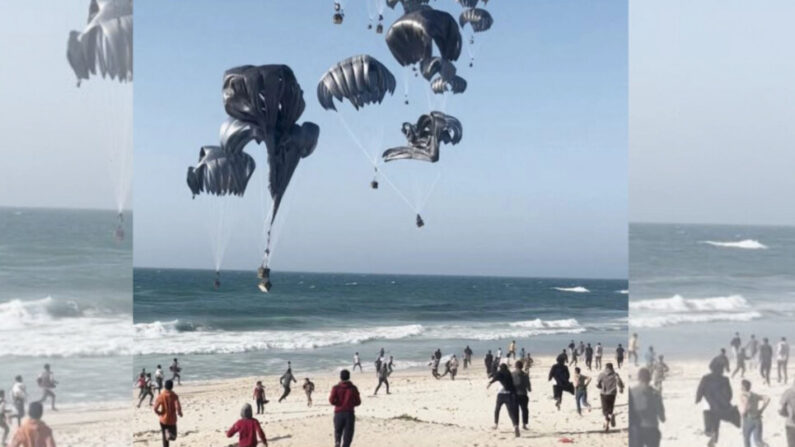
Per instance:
(765,360)
(159,379)
(589,356)
(467,357)
(560,373)
(741,358)
(345,398)
(581,382)
(609,384)
(489,361)
(716,389)
(735,344)
(724,360)
(175,372)
(632,349)
(434,364)
(782,358)
(452,366)
(357,362)
(437,354)
(598,356)
(146,389)
(752,406)
(259,397)
(47,383)
(522,383)
(646,411)
(309,388)
(19,395)
(378,362)
(787,410)
(660,372)
(511,350)
(506,396)
(390,364)
(168,408)
(248,429)
(498,358)
(528,362)
(285,380)
(3,418)
(383,379)
(751,349)
(651,356)
(33,432)
(521,354)
(565,356)
(620,356)
(572,351)
(574,357)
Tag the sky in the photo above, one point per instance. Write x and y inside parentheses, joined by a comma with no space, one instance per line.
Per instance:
(63,146)
(537,187)
(711,111)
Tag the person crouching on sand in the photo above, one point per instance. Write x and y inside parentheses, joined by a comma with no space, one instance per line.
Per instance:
(248,429)
(345,397)
(506,396)
(259,397)
(610,384)
(309,388)
(33,432)
(167,406)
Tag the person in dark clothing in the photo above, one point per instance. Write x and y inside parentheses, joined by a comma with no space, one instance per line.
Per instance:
(259,397)
(488,360)
(560,372)
(717,391)
(588,356)
(723,359)
(506,396)
(565,356)
(522,383)
(740,366)
(646,411)
(383,376)
(285,380)
(345,397)
(620,356)
(467,356)
(765,360)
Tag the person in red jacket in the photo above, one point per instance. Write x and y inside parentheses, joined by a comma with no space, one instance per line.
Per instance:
(345,397)
(248,429)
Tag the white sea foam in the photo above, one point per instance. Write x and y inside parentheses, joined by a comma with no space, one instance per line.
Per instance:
(679,310)
(677,303)
(654,321)
(623,292)
(747,244)
(53,328)
(578,289)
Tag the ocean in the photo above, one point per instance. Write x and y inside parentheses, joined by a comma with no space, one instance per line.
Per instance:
(318,321)
(693,286)
(66,299)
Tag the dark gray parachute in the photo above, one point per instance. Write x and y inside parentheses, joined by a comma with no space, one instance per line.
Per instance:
(359,79)
(299,142)
(456,84)
(412,36)
(425,137)
(224,169)
(105,45)
(468,3)
(408,5)
(478,18)
(436,65)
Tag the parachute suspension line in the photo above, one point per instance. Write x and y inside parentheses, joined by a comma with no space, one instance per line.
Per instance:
(428,195)
(374,162)
(406,78)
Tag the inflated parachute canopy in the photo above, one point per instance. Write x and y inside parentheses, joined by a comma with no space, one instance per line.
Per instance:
(224,169)
(456,84)
(468,3)
(412,36)
(479,19)
(359,79)
(105,44)
(408,5)
(267,96)
(436,65)
(425,137)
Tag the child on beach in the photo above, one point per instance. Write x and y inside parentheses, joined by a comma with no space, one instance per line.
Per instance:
(752,406)
(168,408)
(309,388)
(259,397)
(581,382)
(146,389)
(248,429)
(357,361)
(33,432)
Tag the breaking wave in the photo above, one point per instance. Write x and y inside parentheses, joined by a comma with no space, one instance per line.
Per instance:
(747,244)
(679,310)
(578,289)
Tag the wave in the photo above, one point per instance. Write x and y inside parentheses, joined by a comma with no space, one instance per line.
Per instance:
(748,244)
(656,321)
(578,289)
(675,310)
(57,328)
(677,303)
(623,292)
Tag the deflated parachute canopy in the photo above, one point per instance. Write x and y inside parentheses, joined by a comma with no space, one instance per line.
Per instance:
(224,169)
(479,19)
(412,36)
(105,44)
(359,79)
(425,137)
(436,65)
(298,143)
(456,84)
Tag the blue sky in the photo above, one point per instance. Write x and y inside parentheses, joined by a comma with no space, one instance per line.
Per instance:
(537,187)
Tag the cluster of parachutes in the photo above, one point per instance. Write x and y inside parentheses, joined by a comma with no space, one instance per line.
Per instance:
(264,104)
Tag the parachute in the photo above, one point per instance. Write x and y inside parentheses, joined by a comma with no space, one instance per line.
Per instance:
(479,19)
(408,5)
(456,84)
(468,3)
(359,79)
(105,44)
(425,136)
(436,65)
(412,36)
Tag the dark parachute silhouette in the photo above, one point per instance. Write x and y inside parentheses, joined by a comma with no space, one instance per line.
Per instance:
(224,169)
(468,3)
(360,79)
(479,19)
(412,36)
(456,84)
(105,44)
(436,65)
(425,137)
(408,5)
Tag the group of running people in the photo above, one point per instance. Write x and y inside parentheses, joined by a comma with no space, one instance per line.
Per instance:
(31,427)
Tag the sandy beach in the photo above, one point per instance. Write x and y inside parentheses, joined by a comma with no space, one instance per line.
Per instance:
(421,411)
(684,425)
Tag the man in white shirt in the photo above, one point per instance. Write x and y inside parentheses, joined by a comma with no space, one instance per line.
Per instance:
(19,395)
(357,362)
(47,384)
(782,358)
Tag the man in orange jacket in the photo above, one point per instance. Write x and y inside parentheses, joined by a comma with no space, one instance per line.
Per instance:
(168,408)
(33,432)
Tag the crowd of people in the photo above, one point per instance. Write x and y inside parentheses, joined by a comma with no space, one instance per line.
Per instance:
(31,430)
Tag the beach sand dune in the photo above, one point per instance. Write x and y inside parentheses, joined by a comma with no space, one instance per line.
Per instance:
(421,411)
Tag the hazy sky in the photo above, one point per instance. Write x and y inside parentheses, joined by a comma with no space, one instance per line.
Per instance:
(712,107)
(536,187)
(61,144)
